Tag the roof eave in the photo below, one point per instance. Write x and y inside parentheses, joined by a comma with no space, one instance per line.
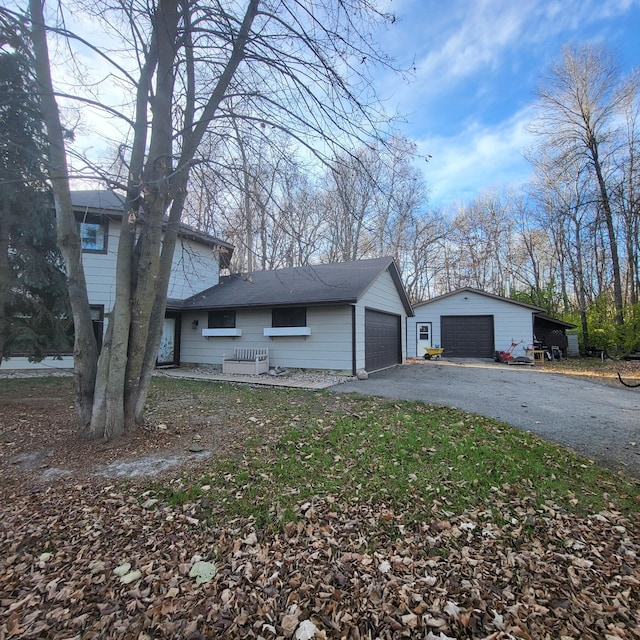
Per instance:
(494,296)
(272,305)
(567,325)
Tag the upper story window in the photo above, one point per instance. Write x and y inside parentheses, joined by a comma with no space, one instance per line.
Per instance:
(289,317)
(223,319)
(93,236)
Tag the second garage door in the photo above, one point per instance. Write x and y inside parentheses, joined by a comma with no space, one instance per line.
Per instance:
(383,347)
(467,336)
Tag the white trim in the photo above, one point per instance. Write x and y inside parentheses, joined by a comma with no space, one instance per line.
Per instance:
(221,333)
(273,332)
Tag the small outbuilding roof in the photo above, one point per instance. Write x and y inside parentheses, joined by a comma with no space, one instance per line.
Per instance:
(533,307)
(313,285)
(554,321)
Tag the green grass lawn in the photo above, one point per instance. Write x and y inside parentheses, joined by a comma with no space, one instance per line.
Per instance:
(410,457)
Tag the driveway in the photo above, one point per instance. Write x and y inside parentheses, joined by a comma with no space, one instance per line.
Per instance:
(595,420)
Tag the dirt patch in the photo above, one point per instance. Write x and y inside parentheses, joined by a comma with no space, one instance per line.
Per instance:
(39,444)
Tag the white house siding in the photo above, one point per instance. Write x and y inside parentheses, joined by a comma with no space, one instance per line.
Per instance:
(328,347)
(100,270)
(382,295)
(195,268)
(511,322)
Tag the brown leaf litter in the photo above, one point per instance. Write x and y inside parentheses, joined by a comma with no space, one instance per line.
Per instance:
(95,563)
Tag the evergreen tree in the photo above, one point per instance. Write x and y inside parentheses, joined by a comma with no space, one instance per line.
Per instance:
(34,317)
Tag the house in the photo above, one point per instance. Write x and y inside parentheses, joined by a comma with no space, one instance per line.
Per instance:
(197,262)
(469,323)
(341,316)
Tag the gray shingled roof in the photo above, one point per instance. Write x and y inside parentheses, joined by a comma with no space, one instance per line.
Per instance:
(98,199)
(335,283)
(481,293)
(106,201)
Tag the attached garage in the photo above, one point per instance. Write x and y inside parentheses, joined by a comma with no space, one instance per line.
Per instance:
(467,336)
(383,340)
(344,317)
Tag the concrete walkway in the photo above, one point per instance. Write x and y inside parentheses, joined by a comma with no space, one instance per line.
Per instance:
(294,381)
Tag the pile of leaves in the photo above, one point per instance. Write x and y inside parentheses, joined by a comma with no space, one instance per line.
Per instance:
(80,562)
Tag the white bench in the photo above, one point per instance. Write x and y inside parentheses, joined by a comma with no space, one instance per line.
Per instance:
(246,361)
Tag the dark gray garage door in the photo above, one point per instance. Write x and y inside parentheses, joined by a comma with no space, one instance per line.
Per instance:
(382,340)
(467,336)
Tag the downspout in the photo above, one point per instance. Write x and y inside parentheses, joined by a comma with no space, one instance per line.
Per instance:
(353,341)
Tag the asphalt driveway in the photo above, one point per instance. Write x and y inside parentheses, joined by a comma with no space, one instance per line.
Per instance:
(597,421)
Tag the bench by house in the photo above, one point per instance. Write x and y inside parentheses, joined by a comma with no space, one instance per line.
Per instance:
(246,361)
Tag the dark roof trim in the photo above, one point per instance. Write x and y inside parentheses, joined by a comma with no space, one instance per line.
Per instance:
(533,307)
(562,323)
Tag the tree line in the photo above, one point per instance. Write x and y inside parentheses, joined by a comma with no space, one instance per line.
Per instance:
(568,241)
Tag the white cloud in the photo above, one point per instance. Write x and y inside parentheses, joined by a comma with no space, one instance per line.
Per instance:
(478,61)
(467,39)
(478,158)
(480,33)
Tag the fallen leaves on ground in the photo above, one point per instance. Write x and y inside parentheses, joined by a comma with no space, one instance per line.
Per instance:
(85,562)
(80,559)
(603,372)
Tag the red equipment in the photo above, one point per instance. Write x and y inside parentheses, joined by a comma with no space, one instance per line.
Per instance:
(507,356)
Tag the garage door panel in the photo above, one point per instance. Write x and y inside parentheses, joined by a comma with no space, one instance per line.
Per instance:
(467,336)
(382,340)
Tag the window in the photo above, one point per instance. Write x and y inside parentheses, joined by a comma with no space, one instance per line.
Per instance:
(424,332)
(93,236)
(97,320)
(289,317)
(222,319)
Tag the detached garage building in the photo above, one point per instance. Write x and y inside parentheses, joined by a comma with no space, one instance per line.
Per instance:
(469,323)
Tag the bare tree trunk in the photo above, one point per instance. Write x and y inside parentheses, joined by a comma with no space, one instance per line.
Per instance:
(158,312)
(85,350)
(152,306)
(611,232)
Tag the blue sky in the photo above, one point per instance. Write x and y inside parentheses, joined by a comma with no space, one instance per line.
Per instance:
(478,65)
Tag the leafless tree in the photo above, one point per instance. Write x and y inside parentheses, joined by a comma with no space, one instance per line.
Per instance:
(422,258)
(627,189)
(580,104)
(349,198)
(564,195)
(301,67)
(479,245)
